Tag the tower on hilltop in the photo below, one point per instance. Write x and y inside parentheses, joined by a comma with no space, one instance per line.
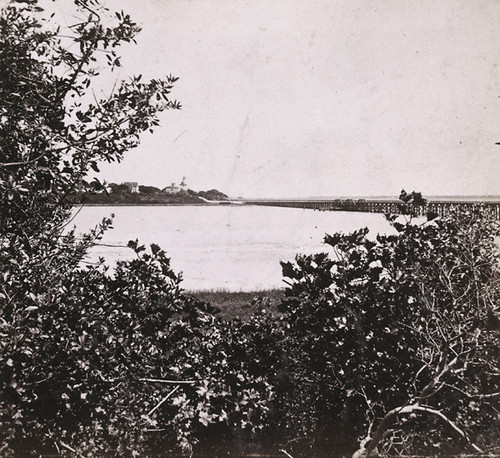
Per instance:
(183,184)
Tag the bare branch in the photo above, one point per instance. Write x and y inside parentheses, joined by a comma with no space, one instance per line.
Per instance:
(389,417)
(473,396)
(17,164)
(162,401)
(174,382)
(428,390)
(71,449)
(447,420)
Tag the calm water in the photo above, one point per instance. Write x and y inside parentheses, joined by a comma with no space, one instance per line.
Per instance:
(232,247)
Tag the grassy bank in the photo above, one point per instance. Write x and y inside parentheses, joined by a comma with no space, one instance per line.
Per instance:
(238,304)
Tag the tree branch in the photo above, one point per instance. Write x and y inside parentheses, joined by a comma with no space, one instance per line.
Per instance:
(389,417)
(83,5)
(447,420)
(71,449)
(17,164)
(174,382)
(162,401)
(474,396)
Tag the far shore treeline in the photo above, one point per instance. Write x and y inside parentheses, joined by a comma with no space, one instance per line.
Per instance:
(134,194)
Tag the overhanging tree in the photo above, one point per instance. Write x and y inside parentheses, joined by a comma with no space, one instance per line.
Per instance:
(53,131)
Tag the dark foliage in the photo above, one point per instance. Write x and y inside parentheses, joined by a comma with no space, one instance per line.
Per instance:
(149,190)
(90,357)
(389,345)
(395,340)
(213,194)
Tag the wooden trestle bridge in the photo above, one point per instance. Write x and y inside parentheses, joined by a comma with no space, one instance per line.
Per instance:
(438,207)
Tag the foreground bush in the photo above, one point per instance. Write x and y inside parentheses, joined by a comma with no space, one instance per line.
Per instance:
(90,367)
(389,346)
(395,341)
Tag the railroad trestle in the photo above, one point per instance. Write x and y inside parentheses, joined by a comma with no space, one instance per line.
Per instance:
(436,207)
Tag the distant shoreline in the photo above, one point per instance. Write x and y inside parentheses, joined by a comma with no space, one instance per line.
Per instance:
(250,201)
(140,204)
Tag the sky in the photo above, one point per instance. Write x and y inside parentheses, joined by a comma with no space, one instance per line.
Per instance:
(302,98)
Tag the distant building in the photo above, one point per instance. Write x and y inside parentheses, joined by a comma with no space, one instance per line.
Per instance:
(132,186)
(172,189)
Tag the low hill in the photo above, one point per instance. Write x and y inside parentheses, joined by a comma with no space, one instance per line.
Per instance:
(149,195)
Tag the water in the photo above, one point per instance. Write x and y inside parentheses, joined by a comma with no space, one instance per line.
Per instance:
(237,248)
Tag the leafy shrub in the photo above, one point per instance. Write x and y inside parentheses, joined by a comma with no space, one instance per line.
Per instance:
(89,360)
(395,340)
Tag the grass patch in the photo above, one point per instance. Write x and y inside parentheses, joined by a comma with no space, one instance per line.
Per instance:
(238,304)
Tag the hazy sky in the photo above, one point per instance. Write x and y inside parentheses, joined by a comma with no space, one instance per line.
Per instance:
(289,98)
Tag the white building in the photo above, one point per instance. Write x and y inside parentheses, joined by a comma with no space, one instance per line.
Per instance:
(132,186)
(172,189)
